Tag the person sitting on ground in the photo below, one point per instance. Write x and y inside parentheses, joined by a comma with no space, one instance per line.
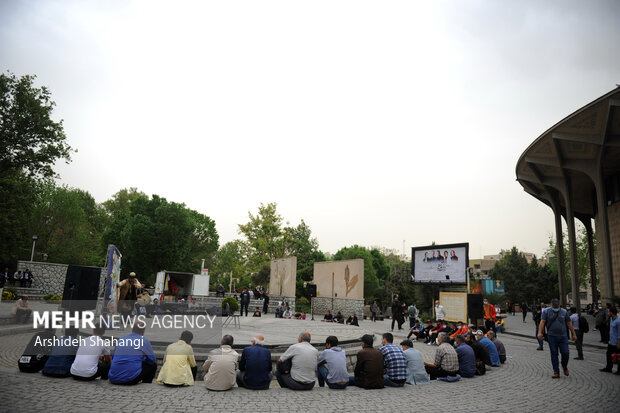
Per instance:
(501,350)
(467,357)
(434,332)
(303,315)
(332,365)
(221,366)
(179,367)
(63,355)
(446,360)
(297,315)
(278,313)
(255,365)
(482,355)
(339,318)
(369,368)
(21,311)
(37,351)
(416,373)
(488,344)
(328,317)
(394,362)
(288,314)
(460,330)
(352,320)
(500,325)
(134,360)
(93,358)
(417,331)
(302,373)
(256,312)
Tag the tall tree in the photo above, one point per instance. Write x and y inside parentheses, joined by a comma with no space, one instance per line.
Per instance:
(31,141)
(263,233)
(583,258)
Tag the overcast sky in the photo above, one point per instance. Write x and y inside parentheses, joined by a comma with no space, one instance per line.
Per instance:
(375,122)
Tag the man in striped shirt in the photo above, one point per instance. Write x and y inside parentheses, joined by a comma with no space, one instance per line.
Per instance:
(394,362)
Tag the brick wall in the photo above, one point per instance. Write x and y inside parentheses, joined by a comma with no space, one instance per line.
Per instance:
(345,306)
(50,277)
(613,213)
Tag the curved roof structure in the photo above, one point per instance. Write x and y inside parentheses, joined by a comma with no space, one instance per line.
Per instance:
(574,154)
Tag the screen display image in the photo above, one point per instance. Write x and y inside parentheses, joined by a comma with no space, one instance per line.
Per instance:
(446,264)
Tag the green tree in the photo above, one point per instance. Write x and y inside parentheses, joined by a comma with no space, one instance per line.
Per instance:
(31,141)
(155,234)
(69,224)
(229,259)
(263,235)
(583,258)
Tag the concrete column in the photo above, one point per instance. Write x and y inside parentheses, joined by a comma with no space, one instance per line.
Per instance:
(572,247)
(607,279)
(559,244)
(593,283)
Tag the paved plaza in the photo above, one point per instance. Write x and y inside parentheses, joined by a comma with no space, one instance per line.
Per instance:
(523,383)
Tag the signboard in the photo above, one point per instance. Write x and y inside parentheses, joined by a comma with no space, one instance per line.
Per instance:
(455,305)
(440,264)
(340,279)
(282,280)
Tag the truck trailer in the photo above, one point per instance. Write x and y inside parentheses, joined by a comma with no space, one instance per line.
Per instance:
(171,285)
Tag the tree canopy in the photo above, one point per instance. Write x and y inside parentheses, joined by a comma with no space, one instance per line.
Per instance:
(31,141)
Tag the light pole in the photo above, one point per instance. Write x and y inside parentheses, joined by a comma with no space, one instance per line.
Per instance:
(34,241)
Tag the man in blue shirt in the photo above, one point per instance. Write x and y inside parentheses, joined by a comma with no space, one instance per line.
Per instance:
(134,360)
(614,339)
(557,321)
(63,355)
(332,365)
(255,365)
(467,358)
(394,362)
(488,344)
(416,373)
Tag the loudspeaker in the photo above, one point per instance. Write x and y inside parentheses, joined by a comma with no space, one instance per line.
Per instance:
(474,306)
(311,290)
(81,288)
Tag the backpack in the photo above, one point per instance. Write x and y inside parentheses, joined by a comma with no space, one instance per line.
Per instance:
(583,324)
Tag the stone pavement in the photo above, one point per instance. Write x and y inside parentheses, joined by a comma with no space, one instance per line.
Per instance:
(523,383)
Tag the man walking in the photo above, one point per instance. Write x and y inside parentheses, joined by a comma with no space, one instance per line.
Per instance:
(574,318)
(613,346)
(558,322)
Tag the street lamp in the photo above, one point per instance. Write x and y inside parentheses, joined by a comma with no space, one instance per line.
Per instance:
(34,241)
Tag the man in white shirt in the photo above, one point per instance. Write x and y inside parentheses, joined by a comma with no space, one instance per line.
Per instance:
(92,359)
(304,358)
(440,313)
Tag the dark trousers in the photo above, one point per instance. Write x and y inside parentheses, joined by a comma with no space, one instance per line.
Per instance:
(435,372)
(611,350)
(102,371)
(524,313)
(540,340)
(579,343)
(373,317)
(146,375)
(245,307)
(489,324)
(242,383)
(22,316)
(286,381)
(35,365)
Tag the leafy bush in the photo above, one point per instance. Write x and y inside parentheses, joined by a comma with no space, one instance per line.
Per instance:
(232,303)
(302,301)
(52,297)
(8,295)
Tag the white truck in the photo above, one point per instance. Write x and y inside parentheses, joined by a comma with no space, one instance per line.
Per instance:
(175,284)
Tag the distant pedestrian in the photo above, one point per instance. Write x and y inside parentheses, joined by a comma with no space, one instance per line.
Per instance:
(244,299)
(524,310)
(374,309)
(440,313)
(557,322)
(537,316)
(574,318)
(613,346)
(396,313)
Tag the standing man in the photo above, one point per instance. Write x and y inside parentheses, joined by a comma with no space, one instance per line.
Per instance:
(489,315)
(524,310)
(265,303)
(614,339)
(558,322)
(413,315)
(440,313)
(244,298)
(129,289)
(574,318)
(537,317)
(396,312)
(374,309)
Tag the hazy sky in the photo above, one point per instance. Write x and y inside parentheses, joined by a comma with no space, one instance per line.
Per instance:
(375,122)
